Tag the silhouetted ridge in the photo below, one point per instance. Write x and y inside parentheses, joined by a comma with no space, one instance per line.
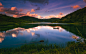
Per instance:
(77,16)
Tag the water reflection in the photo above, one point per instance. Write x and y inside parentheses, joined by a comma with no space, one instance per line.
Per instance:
(49,34)
(1,39)
(33,33)
(14,35)
(75,37)
(2,35)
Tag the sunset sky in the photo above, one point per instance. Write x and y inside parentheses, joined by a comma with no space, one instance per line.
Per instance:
(42,9)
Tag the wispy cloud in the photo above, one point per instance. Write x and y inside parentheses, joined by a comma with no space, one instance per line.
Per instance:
(12,10)
(38,8)
(41,8)
(76,6)
(15,12)
(38,1)
(32,10)
(84,1)
(50,6)
(27,14)
(64,7)
(55,16)
(1,4)
(60,13)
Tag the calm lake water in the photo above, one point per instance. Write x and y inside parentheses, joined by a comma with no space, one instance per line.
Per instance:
(34,33)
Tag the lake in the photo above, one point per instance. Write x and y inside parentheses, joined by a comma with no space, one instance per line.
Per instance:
(34,33)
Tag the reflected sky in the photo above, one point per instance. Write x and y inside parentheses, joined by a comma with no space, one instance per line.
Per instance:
(50,35)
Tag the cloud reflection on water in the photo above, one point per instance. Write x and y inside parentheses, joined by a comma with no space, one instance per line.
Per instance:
(16,31)
(1,39)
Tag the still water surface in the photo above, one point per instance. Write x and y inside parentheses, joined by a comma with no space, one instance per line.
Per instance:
(50,34)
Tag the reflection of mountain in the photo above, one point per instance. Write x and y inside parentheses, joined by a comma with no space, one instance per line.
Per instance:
(14,32)
(32,31)
(79,30)
(75,37)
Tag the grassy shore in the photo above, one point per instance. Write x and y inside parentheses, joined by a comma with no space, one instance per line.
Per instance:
(72,48)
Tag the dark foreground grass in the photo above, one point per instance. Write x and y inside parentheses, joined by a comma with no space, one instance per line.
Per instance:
(72,48)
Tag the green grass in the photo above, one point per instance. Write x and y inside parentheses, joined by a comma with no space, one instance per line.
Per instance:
(71,48)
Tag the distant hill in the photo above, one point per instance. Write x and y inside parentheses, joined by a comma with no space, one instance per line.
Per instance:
(77,16)
(8,19)
(33,19)
(28,18)
(4,18)
(50,20)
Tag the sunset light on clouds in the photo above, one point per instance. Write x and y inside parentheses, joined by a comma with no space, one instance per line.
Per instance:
(76,6)
(42,9)
(32,10)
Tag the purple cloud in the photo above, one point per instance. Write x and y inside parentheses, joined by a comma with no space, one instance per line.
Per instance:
(37,1)
(1,4)
(38,8)
(84,1)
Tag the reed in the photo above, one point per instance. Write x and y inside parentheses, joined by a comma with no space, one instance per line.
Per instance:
(71,48)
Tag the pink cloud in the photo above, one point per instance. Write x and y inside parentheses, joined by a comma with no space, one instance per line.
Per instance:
(9,11)
(76,6)
(40,17)
(16,13)
(1,9)
(55,16)
(33,15)
(84,1)
(1,4)
(32,10)
(19,15)
(60,13)
(13,8)
(15,16)
(51,16)
(12,11)
(59,16)
(63,7)
(27,14)
(21,10)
